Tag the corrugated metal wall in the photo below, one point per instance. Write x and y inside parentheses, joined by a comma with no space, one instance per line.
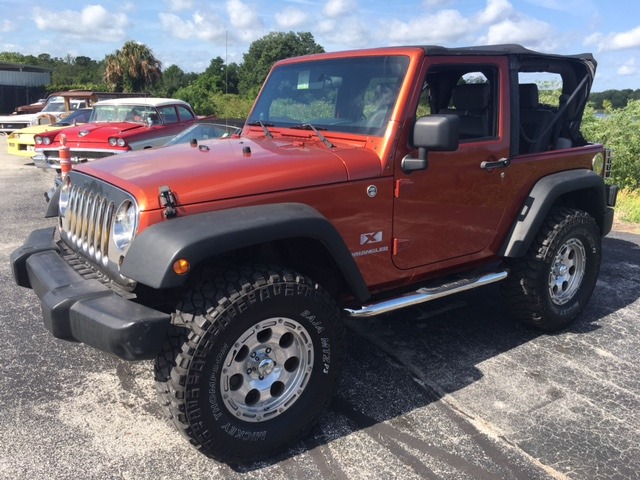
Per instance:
(24,79)
(20,87)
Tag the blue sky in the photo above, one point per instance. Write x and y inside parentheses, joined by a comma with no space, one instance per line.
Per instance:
(190,33)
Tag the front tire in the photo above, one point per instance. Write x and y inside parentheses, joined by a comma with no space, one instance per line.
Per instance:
(552,284)
(258,366)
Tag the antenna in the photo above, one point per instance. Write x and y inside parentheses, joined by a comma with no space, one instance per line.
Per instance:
(226,62)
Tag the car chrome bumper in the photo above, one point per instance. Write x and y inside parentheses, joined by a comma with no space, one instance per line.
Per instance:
(85,310)
(46,163)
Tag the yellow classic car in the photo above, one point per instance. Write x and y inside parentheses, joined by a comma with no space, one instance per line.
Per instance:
(21,142)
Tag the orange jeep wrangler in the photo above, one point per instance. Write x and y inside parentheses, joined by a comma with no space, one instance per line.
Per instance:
(363,182)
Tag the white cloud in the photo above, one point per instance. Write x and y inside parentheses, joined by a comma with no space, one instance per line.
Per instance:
(495,11)
(291,18)
(628,68)
(325,26)
(178,5)
(93,22)
(444,26)
(615,41)
(530,32)
(208,28)
(245,20)
(7,26)
(349,33)
(337,8)
(242,16)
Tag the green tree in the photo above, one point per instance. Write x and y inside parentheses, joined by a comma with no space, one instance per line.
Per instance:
(133,68)
(224,78)
(173,78)
(619,130)
(265,51)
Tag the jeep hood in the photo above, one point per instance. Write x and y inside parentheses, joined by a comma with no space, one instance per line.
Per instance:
(229,168)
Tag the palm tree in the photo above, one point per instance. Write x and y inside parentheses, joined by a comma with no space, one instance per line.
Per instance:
(133,68)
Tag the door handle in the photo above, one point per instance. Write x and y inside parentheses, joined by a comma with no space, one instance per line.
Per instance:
(502,163)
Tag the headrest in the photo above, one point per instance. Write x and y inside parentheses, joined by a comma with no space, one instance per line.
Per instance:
(529,95)
(471,96)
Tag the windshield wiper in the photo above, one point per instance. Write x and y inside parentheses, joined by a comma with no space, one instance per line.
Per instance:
(264,126)
(308,126)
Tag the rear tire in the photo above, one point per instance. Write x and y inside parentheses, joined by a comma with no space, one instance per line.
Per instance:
(552,284)
(258,366)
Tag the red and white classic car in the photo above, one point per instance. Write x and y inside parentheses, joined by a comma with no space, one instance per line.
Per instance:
(117,126)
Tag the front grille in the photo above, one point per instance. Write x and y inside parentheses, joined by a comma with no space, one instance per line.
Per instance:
(87,223)
(91,272)
(78,156)
(608,162)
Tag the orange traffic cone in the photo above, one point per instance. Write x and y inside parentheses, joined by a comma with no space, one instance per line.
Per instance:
(65,156)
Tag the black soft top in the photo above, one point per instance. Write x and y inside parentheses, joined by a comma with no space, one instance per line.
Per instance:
(526,55)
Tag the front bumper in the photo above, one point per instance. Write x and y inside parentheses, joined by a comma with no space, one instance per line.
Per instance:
(84,310)
(23,146)
(49,159)
(611,196)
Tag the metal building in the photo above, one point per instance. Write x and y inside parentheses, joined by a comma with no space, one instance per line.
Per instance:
(21,85)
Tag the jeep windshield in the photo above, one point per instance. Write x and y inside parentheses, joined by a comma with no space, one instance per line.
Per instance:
(354,95)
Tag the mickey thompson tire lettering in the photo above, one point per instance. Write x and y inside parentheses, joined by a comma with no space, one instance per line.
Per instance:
(552,284)
(256,363)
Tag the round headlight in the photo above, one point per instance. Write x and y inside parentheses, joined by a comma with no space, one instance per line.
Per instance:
(112,141)
(46,140)
(598,163)
(121,142)
(38,140)
(124,225)
(63,201)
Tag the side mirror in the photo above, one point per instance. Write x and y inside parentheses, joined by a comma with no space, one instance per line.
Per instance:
(435,133)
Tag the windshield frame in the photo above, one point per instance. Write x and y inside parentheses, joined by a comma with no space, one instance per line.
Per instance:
(355,95)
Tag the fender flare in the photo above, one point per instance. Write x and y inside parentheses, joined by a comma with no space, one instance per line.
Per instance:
(542,197)
(198,237)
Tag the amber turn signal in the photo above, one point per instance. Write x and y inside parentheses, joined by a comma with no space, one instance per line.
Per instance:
(181,266)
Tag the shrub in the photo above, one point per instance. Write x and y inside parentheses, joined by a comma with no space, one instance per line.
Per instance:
(628,206)
(618,130)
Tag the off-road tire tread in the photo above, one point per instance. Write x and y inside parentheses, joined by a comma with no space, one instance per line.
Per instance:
(520,291)
(201,310)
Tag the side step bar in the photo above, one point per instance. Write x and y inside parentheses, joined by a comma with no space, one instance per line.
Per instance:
(423,295)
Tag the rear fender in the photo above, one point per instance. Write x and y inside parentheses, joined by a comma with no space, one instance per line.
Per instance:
(548,192)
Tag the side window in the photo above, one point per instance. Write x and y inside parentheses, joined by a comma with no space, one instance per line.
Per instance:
(168,114)
(543,124)
(471,93)
(185,114)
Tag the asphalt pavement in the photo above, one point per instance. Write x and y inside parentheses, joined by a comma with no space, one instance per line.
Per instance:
(450,390)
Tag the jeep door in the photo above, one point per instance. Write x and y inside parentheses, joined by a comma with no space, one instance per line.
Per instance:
(450,212)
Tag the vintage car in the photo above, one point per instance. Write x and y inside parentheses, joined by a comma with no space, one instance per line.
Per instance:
(58,104)
(117,126)
(34,107)
(22,142)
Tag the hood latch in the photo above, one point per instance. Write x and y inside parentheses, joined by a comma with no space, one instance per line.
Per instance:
(168,201)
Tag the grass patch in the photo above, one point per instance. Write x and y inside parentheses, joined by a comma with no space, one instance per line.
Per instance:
(628,206)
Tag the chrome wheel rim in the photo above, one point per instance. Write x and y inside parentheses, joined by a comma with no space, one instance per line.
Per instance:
(567,271)
(267,369)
